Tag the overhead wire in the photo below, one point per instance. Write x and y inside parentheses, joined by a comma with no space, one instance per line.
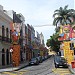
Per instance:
(43,25)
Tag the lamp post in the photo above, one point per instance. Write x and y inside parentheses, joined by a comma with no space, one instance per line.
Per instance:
(11,51)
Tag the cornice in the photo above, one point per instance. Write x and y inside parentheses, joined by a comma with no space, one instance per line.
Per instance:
(5,16)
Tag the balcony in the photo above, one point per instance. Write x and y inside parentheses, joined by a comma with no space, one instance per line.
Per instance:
(5,39)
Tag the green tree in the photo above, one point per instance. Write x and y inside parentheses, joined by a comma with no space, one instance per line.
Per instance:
(53,42)
(63,16)
(48,43)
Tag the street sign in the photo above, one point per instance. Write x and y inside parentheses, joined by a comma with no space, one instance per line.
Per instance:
(11,50)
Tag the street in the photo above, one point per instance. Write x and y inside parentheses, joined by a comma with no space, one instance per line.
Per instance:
(44,68)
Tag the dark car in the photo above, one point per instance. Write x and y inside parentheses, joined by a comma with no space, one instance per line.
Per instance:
(34,61)
(43,58)
(60,61)
(39,59)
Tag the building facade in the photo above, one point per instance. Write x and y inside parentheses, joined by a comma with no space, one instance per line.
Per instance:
(16,33)
(22,38)
(5,38)
(18,42)
(42,39)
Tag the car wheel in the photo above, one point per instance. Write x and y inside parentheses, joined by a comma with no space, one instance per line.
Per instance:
(56,66)
(37,63)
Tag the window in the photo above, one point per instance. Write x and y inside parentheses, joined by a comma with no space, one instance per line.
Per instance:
(3,33)
(10,35)
(7,35)
(25,30)
(71,46)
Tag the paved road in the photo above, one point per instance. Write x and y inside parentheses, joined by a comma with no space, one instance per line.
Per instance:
(45,68)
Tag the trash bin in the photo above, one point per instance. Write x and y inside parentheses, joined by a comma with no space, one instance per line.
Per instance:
(73,64)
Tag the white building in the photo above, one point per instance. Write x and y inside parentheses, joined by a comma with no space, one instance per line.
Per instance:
(32,34)
(5,38)
(38,41)
(42,39)
(19,26)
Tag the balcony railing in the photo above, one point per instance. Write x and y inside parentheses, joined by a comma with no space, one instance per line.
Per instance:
(5,39)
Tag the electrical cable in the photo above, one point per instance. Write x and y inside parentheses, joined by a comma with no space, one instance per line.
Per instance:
(43,25)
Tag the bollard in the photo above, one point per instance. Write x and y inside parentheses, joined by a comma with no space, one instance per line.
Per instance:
(73,64)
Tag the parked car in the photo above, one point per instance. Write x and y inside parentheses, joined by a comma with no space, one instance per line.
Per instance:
(43,58)
(46,57)
(60,61)
(34,61)
(49,56)
(39,59)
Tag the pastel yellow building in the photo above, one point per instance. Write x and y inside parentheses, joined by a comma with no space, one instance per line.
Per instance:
(68,54)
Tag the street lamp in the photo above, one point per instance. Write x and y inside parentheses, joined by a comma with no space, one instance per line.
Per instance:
(11,51)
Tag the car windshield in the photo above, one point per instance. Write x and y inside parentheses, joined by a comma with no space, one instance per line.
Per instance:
(58,58)
(33,59)
(38,58)
(62,59)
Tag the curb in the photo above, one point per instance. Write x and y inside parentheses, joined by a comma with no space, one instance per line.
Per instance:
(21,67)
(13,68)
(71,70)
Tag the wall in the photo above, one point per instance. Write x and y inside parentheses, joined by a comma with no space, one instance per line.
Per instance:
(5,21)
(5,46)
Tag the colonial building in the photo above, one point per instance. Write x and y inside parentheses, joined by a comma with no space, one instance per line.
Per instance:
(18,42)
(36,45)
(32,34)
(5,38)
(22,38)
(16,33)
(29,47)
(26,42)
(42,39)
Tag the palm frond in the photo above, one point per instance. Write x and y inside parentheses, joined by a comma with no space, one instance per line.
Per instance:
(69,20)
(64,16)
(71,10)
(65,8)
(55,14)
(57,20)
(56,11)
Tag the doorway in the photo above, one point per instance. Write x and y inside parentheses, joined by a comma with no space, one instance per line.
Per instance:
(3,57)
(7,57)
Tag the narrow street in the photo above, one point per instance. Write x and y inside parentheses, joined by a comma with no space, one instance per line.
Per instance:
(44,68)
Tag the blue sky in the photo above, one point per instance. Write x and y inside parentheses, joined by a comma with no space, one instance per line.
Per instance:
(37,12)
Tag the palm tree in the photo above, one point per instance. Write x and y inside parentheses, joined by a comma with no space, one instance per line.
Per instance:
(63,16)
(74,18)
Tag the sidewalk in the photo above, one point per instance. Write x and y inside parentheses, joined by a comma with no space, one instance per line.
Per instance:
(15,68)
(72,70)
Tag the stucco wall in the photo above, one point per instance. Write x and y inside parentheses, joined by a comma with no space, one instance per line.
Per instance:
(5,46)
